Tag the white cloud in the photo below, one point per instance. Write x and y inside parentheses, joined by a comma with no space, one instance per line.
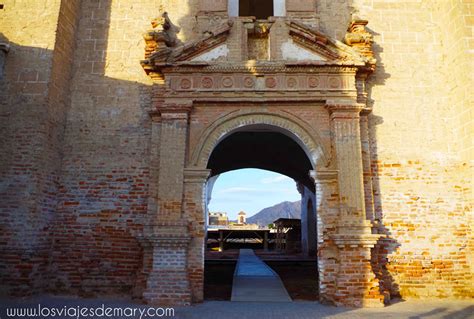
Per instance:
(233,190)
(276,179)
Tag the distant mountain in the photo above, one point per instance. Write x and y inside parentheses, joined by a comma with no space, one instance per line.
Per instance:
(283,210)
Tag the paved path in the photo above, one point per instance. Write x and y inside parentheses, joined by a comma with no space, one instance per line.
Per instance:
(255,281)
(414,309)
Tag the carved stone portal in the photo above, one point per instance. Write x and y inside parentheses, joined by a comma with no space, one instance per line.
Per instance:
(317,102)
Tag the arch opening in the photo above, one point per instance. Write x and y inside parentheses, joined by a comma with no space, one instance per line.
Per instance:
(264,147)
(275,149)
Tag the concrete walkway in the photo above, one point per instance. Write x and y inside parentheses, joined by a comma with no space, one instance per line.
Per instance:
(255,281)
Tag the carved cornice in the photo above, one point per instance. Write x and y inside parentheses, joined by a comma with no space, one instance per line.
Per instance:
(200,83)
(261,68)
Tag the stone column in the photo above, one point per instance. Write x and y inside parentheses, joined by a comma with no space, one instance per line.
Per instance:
(327,209)
(308,220)
(345,130)
(166,237)
(195,212)
(173,145)
(355,283)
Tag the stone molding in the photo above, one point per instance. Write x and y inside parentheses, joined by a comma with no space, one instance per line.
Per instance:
(165,233)
(306,136)
(344,106)
(196,174)
(324,176)
(178,110)
(242,81)
(344,110)
(262,67)
(356,240)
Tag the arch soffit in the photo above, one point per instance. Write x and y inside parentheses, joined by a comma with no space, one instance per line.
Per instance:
(291,125)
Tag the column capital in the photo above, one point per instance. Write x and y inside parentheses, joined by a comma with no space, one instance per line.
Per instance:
(365,111)
(165,233)
(344,109)
(196,174)
(171,110)
(323,176)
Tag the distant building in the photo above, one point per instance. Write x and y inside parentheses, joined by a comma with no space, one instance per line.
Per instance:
(242,217)
(218,220)
(243,226)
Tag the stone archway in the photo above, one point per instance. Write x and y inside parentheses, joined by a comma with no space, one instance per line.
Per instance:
(290,125)
(344,237)
(203,92)
(198,171)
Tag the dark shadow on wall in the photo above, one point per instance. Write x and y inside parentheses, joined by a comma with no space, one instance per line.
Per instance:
(386,245)
(103,197)
(65,238)
(30,136)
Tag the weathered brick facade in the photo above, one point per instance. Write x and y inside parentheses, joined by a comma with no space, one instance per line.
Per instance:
(106,136)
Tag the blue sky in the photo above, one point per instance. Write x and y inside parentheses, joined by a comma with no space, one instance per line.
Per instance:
(251,190)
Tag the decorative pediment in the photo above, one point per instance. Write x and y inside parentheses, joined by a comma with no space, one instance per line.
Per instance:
(304,46)
(310,39)
(292,52)
(213,54)
(206,48)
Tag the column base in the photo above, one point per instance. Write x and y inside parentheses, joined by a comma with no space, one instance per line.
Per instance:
(165,265)
(356,283)
(167,288)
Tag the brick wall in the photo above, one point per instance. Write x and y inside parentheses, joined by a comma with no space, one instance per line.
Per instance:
(34,98)
(421,171)
(75,137)
(104,181)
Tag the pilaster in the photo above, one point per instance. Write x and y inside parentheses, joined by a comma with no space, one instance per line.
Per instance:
(327,209)
(346,140)
(173,145)
(354,281)
(167,236)
(195,208)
